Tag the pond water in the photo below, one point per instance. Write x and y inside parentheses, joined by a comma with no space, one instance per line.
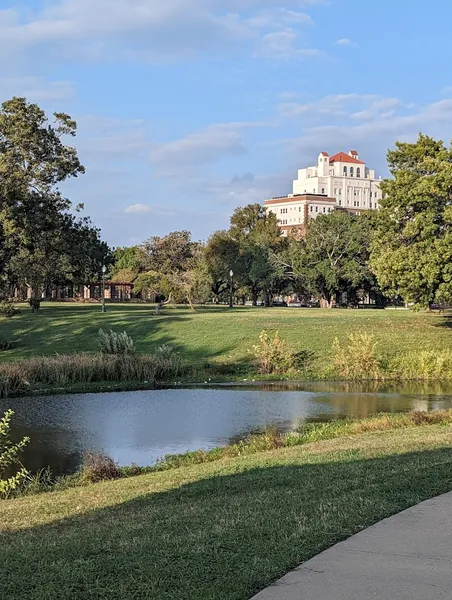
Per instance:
(140,427)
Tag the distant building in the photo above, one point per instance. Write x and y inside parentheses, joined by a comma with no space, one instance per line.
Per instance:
(294,212)
(340,181)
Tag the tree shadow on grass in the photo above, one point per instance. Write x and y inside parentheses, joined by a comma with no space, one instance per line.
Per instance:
(445,322)
(222,537)
(67,330)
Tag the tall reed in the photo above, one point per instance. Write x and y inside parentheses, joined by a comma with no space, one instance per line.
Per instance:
(67,370)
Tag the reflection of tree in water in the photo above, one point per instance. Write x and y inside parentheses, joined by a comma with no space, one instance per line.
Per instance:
(50,447)
(435,388)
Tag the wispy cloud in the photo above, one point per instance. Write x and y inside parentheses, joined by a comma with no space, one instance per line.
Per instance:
(36,89)
(137,209)
(202,147)
(345,42)
(371,131)
(283,45)
(150,30)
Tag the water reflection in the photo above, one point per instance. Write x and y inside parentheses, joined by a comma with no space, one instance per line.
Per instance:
(143,426)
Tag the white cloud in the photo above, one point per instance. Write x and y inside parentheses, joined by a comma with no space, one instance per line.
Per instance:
(142,209)
(346,42)
(112,138)
(283,45)
(202,147)
(36,89)
(269,18)
(391,120)
(138,209)
(152,30)
(333,105)
(382,108)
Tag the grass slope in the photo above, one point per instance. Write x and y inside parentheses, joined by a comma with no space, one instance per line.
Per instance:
(218,336)
(218,530)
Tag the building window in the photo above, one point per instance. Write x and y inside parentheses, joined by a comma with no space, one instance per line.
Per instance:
(311,208)
(351,171)
(358,172)
(340,202)
(324,209)
(316,209)
(340,192)
(323,190)
(345,171)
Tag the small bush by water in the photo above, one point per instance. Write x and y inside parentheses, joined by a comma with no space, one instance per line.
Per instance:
(276,356)
(98,466)
(358,358)
(422,365)
(9,457)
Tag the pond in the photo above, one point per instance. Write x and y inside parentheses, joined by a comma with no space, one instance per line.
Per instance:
(140,427)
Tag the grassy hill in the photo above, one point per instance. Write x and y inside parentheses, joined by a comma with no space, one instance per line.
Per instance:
(219,530)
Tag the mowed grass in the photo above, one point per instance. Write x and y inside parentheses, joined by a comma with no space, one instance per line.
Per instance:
(218,530)
(218,336)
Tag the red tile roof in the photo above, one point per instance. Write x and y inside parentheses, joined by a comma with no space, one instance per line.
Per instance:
(342,157)
(324,153)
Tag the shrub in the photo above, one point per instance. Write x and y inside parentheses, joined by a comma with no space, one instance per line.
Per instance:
(274,355)
(13,380)
(115,343)
(5,345)
(423,365)
(358,359)
(7,309)
(98,466)
(9,457)
(167,361)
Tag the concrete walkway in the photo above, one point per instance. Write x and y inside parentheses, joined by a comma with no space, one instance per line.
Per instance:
(405,557)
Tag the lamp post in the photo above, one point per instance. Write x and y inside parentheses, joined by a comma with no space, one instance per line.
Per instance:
(104,269)
(231,275)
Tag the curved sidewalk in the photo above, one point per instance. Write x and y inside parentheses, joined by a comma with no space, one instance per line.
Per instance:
(405,557)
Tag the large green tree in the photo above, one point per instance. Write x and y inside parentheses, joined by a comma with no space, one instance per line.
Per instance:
(258,237)
(33,155)
(412,249)
(221,256)
(172,266)
(42,242)
(332,257)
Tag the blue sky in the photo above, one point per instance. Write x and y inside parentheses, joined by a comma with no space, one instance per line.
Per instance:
(190,108)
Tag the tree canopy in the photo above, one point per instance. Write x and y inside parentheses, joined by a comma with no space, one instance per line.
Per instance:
(332,258)
(412,249)
(43,242)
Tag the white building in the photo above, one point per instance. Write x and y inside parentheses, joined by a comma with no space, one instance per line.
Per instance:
(340,181)
(342,176)
(294,212)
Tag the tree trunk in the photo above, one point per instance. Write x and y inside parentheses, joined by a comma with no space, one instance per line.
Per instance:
(161,304)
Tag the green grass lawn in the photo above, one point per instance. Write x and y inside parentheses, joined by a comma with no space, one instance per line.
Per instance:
(218,336)
(218,530)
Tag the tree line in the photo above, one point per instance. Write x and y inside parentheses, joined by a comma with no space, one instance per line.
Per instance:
(402,251)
